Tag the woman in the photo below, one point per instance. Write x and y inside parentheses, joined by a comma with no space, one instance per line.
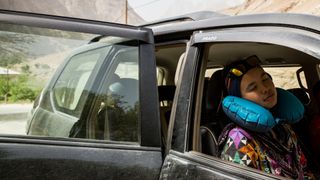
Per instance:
(274,150)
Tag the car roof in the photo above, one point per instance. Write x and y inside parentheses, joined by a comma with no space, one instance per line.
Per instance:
(187,27)
(195,16)
(182,27)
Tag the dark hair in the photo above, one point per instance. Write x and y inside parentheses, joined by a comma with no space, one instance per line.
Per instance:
(236,70)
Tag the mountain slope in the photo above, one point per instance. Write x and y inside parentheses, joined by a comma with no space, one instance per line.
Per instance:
(103,10)
(276,6)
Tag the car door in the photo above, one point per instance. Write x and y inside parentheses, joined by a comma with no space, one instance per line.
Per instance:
(98,117)
(185,158)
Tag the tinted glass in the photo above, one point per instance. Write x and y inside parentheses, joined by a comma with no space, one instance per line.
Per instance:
(72,81)
(116,111)
(59,84)
(29,56)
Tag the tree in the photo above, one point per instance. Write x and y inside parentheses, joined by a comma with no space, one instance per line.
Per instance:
(26,69)
(3,86)
(19,89)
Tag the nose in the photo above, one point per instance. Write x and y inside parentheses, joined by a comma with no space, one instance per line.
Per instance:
(264,89)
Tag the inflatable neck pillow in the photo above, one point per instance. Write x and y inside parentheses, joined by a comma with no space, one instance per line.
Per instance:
(254,117)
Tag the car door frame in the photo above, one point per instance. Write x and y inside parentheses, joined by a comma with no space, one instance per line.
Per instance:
(182,121)
(29,157)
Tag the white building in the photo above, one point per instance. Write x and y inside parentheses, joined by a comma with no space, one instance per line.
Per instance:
(5,71)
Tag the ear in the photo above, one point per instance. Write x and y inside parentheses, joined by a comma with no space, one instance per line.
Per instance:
(248,114)
(269,76)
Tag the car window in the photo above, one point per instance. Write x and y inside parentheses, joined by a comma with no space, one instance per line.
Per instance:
(71,83)
(212,113)
(116,110)
(82,88)
(29,58)
(285,77)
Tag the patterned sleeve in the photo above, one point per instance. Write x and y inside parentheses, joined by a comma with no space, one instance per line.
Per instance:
(240,148)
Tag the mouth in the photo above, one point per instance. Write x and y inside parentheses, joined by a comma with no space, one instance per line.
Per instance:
(268,98)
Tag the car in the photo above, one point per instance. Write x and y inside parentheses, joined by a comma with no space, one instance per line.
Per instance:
(143,102)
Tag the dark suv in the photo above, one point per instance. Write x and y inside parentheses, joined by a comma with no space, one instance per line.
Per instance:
(143,102)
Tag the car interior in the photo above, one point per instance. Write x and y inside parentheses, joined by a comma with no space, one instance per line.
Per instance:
(168,57)
(290,69)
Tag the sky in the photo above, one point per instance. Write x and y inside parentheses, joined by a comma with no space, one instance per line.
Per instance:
(152,10)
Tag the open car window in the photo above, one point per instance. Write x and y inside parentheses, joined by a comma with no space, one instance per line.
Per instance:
(288,67)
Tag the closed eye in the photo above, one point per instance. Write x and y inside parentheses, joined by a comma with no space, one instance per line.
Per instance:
(251,87)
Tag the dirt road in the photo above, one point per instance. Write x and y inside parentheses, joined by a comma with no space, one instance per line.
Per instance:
(13,118)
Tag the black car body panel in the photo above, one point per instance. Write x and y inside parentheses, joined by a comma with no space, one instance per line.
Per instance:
(299,21)
(34,159)
(193,165)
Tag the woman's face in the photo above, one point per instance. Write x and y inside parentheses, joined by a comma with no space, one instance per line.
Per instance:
(257,86)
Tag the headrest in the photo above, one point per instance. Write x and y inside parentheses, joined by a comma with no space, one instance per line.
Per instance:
(127,90)
(254,117)
(214,91)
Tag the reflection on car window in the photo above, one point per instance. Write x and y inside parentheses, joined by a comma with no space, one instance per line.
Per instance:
(103,76)
(117,106)
(71,83)
(29,57)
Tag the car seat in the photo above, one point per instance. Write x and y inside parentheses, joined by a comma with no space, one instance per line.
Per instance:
(166,95)
(303,124)
(127,89)
(213,119)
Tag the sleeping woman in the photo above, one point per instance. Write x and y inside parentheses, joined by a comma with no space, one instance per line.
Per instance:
(260,135)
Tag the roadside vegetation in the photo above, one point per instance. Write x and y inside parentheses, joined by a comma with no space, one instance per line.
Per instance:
(16,88)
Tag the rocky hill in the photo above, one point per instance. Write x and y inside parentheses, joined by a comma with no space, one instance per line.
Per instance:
(103,10)
(276,6)
(114,11)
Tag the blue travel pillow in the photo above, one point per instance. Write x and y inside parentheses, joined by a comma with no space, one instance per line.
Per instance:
(254,117)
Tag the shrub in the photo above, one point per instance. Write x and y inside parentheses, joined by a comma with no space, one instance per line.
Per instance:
(18,89)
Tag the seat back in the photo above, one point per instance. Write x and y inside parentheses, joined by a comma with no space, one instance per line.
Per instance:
(166,95)
(209,141)
(166,92)
(213,119)
(301,126)
(127,90)
(122,102)
(213,96)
